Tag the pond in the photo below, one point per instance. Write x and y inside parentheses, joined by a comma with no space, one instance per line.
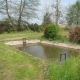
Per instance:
(45,51)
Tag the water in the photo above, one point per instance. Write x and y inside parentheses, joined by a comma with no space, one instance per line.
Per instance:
(45,51)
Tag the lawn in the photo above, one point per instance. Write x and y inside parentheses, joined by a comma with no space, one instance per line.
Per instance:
(20,35)
(16,65)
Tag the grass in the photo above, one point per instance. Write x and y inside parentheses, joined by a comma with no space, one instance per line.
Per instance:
(16,65)
(63,32)
(69,70)
(20,35)
(63,36)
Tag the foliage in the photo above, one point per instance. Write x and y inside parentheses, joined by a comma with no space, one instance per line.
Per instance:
(41,27)
(73,13)
(5,27)
(51,31)
(1,28)
(34,27)
(46,19)
(74,35)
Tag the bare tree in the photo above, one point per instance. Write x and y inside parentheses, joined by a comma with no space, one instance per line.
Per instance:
(56,11)
(18,11)
(9,17)
(47,15)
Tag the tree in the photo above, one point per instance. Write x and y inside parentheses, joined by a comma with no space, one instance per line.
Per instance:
(47,18)
(56,12)
(47,15)
(19,11)
(73,14)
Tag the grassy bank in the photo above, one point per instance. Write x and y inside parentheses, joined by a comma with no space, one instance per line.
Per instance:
(16,65)
(69,70)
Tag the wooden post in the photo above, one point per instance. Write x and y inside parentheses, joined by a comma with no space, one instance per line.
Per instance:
(24,41)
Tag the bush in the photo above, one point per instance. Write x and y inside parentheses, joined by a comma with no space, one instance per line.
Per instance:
(51,32)
(74,35)
(34,27)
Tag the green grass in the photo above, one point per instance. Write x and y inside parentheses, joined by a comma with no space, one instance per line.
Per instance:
(69,70)
(63,32)
(20,35)
(63,36)
(16,65)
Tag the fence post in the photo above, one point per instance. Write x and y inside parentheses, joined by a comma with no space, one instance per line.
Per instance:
(24,41)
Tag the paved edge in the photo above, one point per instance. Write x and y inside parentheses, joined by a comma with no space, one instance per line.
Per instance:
(45,42)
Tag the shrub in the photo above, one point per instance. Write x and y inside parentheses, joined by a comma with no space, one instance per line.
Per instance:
(51,32)
(34,27)
(74,35)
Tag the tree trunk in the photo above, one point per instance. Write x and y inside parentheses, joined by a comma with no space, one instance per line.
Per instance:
(22,5)
(57,12)
(9,17)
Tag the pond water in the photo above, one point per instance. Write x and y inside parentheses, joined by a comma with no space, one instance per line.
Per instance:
(45,51)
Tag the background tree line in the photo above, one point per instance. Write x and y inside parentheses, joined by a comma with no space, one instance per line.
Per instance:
(18,13)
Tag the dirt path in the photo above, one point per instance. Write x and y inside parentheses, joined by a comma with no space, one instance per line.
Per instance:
(45,42)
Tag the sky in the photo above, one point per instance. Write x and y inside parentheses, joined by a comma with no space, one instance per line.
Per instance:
(68,1)
(64,3)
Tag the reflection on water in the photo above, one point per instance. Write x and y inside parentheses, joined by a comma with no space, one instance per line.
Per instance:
(45,51)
